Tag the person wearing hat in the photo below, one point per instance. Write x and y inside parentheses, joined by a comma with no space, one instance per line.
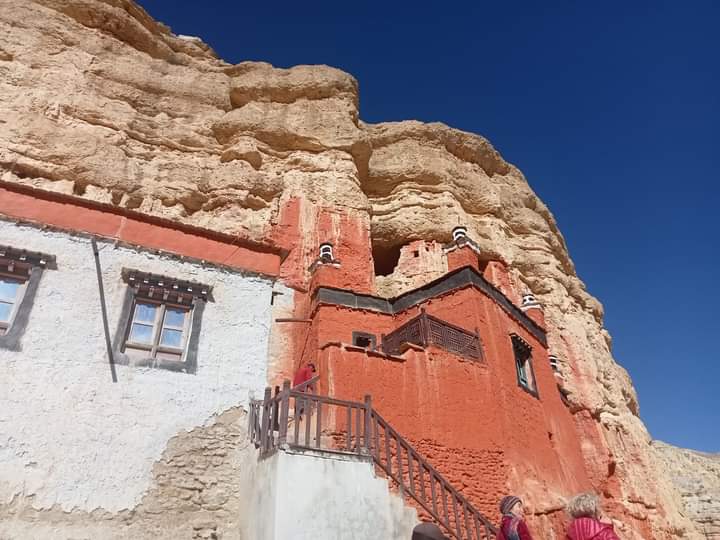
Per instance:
(512,526)
(428,531)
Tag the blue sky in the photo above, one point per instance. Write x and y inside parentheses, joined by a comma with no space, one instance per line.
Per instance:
(612,111)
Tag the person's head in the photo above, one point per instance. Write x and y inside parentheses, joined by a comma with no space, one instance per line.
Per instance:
(311,366)
(427,531)
(511,505)
(583,505)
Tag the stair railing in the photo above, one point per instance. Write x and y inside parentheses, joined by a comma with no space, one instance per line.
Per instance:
(301,421)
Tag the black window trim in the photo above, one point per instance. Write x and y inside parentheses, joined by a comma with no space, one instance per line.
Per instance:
(146,287)
(33,264)
(520,346)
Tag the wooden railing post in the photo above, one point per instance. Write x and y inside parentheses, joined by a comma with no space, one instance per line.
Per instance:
(284,413)
(265,425)
(458,517)
(477,343)
(424,330)
(368,419)
(276,411)
(251,421)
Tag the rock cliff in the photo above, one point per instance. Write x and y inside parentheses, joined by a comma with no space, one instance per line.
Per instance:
(100,101)
(697,476)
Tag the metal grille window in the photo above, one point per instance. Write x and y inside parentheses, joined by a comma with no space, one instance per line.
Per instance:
(523,364)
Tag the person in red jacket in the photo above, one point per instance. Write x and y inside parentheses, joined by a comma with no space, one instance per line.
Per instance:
(303,375)
(584,509)
(512,526)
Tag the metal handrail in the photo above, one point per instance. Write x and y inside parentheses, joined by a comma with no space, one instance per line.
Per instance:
(415,476)
(327,424)
(302,386)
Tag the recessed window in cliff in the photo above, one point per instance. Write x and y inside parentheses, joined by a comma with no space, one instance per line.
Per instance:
(385,259)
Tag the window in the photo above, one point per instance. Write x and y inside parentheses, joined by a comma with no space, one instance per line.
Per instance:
(326,252)
(161,322)
(523,364)
(20,272)
(159,330)
(554,363)
(459,234)
(364,340)
(11,293)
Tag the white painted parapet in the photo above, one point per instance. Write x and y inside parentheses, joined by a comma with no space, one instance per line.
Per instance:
(309,496)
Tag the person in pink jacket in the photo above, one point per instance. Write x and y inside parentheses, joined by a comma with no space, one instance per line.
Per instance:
(584,509)
(512,526)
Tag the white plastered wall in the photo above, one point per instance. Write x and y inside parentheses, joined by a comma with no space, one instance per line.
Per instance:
(316,497)
(68,435)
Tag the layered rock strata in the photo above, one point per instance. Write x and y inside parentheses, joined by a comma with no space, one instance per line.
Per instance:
(697,476)
(99,101)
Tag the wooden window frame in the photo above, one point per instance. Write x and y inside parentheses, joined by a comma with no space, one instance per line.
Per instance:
(158,326)
(27,267)
(520,366)
(522,355)
(5,326)
(165,292)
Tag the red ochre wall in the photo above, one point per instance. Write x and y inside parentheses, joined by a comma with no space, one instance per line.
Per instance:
(470,419)
(76,215)
(301,228)
(473,422)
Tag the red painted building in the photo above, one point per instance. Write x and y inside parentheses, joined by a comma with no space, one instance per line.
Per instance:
(455,365)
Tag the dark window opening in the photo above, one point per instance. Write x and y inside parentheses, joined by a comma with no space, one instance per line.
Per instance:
(365,340)
(523,365)
(158,329)
(416,253)
(385,259)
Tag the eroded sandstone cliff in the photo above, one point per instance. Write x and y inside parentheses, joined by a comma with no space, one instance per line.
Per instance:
(697,476)
(99,101)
